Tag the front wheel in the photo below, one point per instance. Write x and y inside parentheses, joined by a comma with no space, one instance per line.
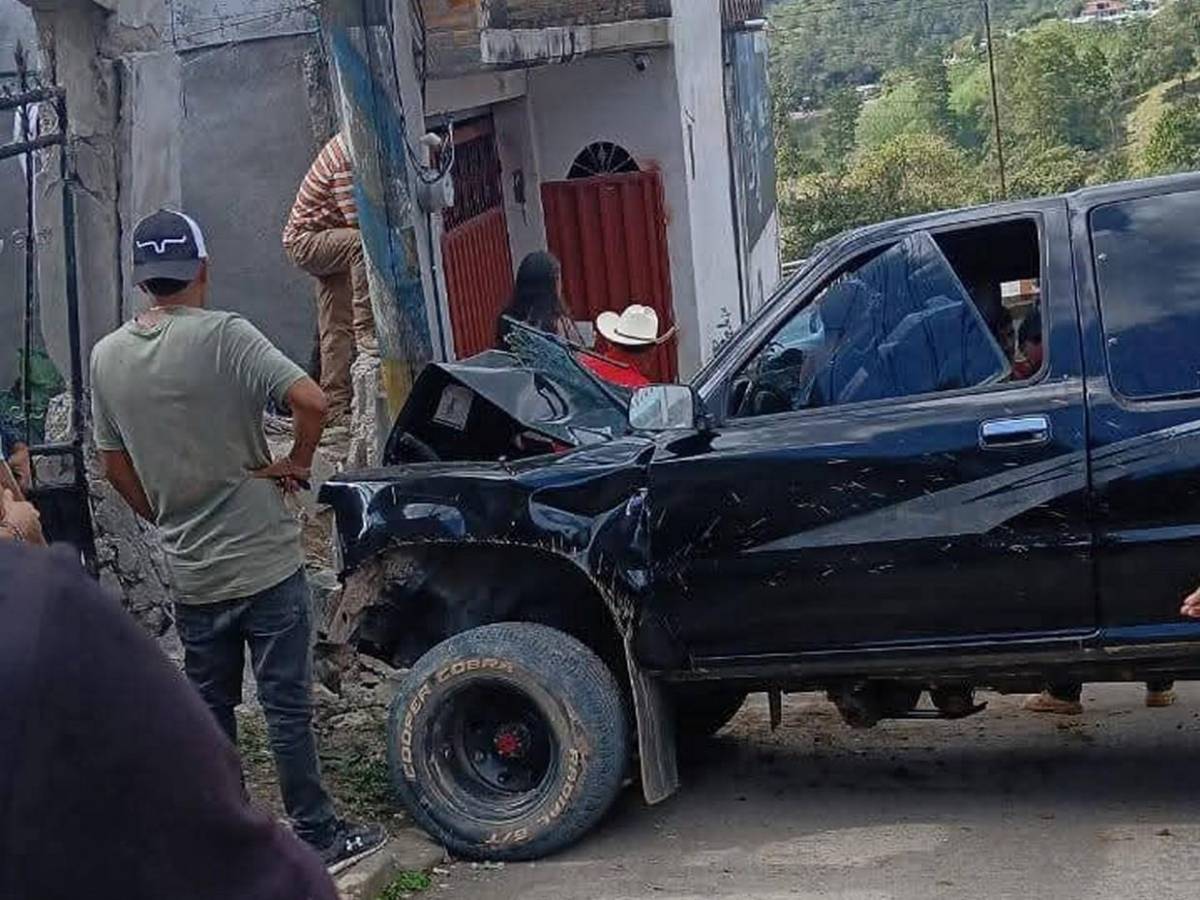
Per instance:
(508,742)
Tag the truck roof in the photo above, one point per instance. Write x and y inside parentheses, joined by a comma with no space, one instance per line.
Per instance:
(1081,199)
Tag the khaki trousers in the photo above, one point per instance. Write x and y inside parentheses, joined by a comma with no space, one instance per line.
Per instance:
(344,315)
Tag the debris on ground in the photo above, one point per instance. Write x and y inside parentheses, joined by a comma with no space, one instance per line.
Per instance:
(351,728)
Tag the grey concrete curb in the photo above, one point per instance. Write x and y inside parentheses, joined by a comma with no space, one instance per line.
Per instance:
(410,851)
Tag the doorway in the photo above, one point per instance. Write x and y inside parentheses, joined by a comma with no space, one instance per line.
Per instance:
(475,249)
(609,231)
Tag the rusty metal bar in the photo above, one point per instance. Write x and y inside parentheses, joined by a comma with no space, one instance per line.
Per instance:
(26,97)
(20,148)
(736,12)
(67,174)
(30,257)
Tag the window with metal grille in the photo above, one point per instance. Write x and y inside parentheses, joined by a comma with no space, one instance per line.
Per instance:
(602,158)
(477,186)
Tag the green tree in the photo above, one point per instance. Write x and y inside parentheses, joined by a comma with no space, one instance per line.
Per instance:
(1174,145)
(1040,170)
(839,127)
(915,173)
(933,91)
(1052,89)
(896,112)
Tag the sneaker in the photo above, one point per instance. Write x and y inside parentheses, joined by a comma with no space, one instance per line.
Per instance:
(351,843)
(1046,702)
(1160,699)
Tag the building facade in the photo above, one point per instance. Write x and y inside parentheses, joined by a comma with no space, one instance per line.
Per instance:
(632,139)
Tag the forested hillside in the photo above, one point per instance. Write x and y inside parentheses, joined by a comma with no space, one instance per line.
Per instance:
(885,106)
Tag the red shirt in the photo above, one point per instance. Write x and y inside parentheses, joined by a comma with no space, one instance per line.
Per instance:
(614,372)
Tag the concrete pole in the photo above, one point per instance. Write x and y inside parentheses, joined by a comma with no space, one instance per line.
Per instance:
(382,114)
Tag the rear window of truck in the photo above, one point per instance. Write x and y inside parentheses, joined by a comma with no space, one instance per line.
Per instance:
(1147,258)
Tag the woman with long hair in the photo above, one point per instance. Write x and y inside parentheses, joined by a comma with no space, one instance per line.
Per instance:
(537,299)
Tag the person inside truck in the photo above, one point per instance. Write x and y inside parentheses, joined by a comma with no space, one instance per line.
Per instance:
(1006,336)
(1029,341)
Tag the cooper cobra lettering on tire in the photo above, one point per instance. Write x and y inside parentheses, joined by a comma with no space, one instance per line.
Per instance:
(508,742)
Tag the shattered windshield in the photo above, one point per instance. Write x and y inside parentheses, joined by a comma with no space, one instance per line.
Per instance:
(593,404)
(901,325)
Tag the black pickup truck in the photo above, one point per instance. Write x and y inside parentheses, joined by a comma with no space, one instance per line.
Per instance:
(874,490)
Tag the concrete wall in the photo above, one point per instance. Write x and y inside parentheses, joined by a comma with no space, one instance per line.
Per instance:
(16,24)
(696,36)
(247,142)
(518,153)
(765,270)
(200,23)
(465,35)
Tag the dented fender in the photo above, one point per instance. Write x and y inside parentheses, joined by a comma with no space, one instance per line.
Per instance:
(590,506)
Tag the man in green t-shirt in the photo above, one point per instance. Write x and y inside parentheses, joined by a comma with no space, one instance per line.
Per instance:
(178,396)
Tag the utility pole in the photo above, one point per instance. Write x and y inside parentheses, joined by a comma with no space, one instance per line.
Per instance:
(991,49)
(382,114)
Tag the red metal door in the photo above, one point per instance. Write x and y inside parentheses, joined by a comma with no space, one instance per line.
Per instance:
(475,249)
(479,280)
(610,233)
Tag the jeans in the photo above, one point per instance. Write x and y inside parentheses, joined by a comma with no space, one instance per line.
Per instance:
(277,627)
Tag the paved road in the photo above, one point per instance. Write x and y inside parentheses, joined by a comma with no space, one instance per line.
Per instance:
(1004,805)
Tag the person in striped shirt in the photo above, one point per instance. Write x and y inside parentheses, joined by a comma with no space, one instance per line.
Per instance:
(322,238)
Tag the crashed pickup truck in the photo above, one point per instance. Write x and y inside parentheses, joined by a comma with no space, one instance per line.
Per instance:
(954,452)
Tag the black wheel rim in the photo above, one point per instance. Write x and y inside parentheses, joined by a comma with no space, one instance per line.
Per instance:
(492,752)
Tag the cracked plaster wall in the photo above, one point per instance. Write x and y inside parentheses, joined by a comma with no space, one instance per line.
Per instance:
(125,81)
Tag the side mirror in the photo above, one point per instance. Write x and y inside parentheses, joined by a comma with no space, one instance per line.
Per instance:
(664,407)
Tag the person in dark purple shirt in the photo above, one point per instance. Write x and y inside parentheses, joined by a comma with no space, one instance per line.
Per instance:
(115,781)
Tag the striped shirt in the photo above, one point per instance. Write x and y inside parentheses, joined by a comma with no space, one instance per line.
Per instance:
(326,198)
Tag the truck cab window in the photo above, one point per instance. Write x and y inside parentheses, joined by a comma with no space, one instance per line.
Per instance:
(901,324)
(1147,254)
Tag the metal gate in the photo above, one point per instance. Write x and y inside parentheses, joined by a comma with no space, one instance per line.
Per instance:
(475,249)
(62,501)
(479,280)
(610,233)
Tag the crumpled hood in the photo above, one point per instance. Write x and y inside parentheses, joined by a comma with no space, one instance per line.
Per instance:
(548,500)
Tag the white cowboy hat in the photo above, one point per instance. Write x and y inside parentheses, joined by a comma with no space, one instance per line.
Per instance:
(636,327)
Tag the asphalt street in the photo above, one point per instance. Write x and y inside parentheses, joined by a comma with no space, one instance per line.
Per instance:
(1003,805)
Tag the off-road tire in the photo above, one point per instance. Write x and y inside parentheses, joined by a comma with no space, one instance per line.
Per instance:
(701,711)
(586,739)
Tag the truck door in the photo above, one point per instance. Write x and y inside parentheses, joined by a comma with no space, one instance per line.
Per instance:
(1141,299)
(888,472)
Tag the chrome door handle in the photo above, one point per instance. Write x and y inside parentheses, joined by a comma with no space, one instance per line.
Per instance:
(1025,431)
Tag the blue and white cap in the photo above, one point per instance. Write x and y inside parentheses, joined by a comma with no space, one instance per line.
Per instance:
(167,244)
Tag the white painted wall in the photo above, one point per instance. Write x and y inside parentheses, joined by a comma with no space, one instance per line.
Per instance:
(697,40)
(518,153)
(765,270)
